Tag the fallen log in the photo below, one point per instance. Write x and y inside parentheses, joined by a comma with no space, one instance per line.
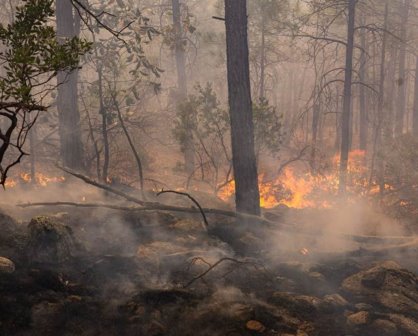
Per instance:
(257,220)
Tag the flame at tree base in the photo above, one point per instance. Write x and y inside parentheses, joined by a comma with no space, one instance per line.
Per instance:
(308,190)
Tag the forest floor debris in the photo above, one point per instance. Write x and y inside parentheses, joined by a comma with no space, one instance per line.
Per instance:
(109,272)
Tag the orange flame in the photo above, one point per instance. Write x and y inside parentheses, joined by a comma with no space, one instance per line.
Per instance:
(308,190)
(40,179)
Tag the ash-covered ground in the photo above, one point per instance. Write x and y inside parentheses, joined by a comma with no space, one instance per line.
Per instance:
(95,271)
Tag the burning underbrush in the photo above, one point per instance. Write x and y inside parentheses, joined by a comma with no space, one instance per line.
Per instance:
(303,189)
(313,264)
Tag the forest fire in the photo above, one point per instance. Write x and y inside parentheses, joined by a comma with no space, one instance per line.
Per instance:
(41,179)
(308,190)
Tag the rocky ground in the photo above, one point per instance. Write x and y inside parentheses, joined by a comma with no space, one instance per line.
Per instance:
(104,272)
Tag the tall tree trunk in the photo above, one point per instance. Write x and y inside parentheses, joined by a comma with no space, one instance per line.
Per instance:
(247,197)
(401,100)
(104,116)
(69,116)
(345,122)
(316,110)
(182,85)
(380,106)
(32,148)
(263,61)
(415,111)
(364,127)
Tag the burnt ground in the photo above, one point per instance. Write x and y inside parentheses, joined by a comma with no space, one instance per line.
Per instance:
(71,271)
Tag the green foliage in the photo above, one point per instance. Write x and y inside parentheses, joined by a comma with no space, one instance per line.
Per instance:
(31,54)
(122,58)
(202,115)
(267,127)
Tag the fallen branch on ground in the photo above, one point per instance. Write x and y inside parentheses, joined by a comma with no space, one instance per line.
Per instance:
(220,261)
(102,186)
(205,220)
(256,219)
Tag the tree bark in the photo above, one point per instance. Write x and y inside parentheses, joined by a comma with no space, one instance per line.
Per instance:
(401,100)
(345,122)
(262,61)
(69,117)
(415,111)
(247,197)
(182,85)
(364,127)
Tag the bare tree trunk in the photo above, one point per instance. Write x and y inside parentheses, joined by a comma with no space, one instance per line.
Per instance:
(32,148)
(380,105)
(364,127)
(315,123)
(247,197)
(415,111)
(401,101)
(182,85)
(69,116)
(345,123)
(262,61)
(103,114)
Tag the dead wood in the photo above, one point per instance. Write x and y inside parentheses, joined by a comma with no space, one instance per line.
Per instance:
(256,265)
(258,220)
(205,220)
(102,186)
(398,249)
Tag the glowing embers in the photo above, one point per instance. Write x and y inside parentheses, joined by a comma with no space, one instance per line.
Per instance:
(307,190)
(40,180)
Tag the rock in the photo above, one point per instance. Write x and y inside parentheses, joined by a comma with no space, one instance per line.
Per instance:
(387,286)
(302,305)
(6,265)
(384,327)
(12,238)
(358,319)
(334,302)
(374,279)
(254,325)
(407,325)
(49,241)
(363,306)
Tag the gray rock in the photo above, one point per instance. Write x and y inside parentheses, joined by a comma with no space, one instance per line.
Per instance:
(358,319)
(384,328)
(334,302)
(6,265)
(387,286)
(49,241)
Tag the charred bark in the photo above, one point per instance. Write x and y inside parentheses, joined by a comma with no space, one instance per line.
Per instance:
(247,195)
(415,112)
(401,101)
(364,127)
(182,86)
(345,122)
(71,146)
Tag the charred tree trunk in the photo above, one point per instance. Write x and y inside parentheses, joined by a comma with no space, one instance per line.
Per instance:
(401,101)
(69,117)
(316,110)
(364,127)
(415,111)
(104,116)
(247,195)
(345,121)
(188,146)
(380,107)
(263,62)
(32,148)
